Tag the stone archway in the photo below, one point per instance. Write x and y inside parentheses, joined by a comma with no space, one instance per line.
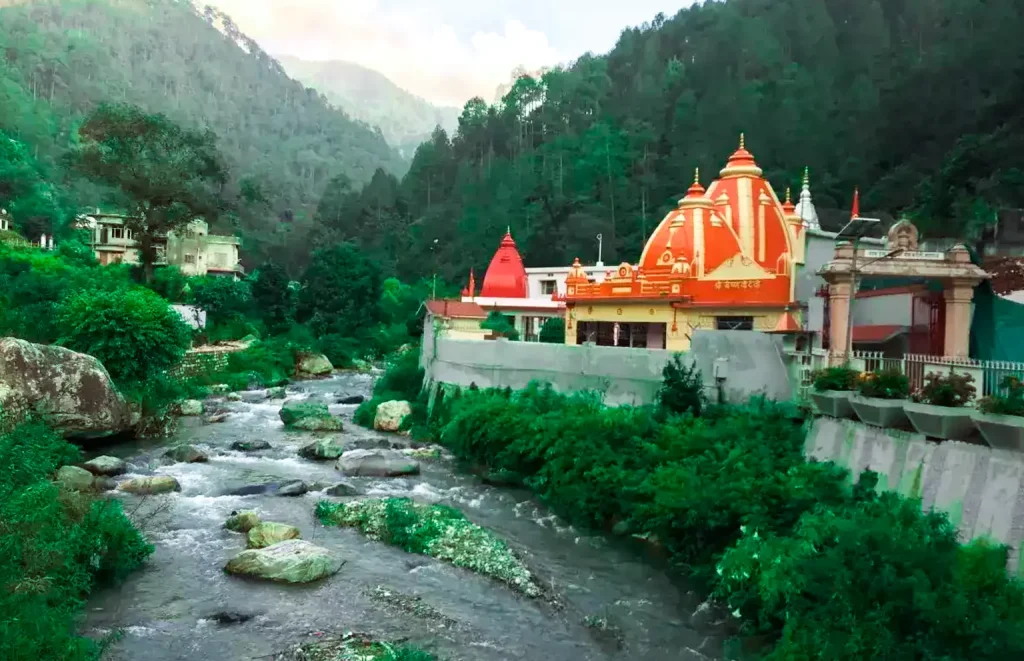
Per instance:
(901,259)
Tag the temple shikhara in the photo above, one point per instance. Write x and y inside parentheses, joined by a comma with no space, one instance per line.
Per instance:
(724,259)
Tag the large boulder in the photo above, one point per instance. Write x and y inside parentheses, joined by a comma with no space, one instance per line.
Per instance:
(190,407)
(324,449)
(150,486)
(314,364)
(342,489)
(74,478)
(280,392)
(255,396)
(251,446)
(308,416)
(291,561)
(107,466)
(329,423)
(391,415)
(376,463)
(351,399)
(242,521)
(72,389)
(269,533)
(291,489)
(187,454)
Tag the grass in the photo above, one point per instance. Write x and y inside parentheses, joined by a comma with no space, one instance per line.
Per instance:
(356,647)
(436,530)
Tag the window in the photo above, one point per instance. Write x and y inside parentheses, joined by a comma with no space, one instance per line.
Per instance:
(734,323)
(116,232)
(190,259)
(548,287)
(219,260)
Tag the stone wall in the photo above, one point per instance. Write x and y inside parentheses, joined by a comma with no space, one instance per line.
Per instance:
(200,362)
(736,364)
(981,489)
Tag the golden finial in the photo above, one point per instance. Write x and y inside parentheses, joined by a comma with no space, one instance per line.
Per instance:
(807,176)
(696,176)
(789,196)
(743,140)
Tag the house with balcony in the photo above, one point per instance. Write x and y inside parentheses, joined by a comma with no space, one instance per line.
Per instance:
(193,250)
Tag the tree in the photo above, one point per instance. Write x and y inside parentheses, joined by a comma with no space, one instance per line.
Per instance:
(224,299)
(29,198)
(273,297)
(553,331)
(499,325)
(167,175)
(133,332)
(340,292)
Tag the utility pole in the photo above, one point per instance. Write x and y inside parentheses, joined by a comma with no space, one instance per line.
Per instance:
(433,286)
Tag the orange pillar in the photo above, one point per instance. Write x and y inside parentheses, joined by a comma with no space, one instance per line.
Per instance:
(839,318)
(958,297)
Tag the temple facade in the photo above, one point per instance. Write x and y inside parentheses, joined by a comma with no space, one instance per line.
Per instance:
(724,259)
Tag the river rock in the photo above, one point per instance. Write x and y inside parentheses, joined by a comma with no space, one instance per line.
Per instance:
(292,488)
(318,424)
(73,390)
(187,454)
(150,486)
(295,409)
(219,389)
(74,478)
(280,392)
(108,466)
(351,399)
(217,418)
(190,407)
(103,483)
(233,397)
(391,415)
(269,533)
(250,446)
(255,396)
(324,449)
(376,463)
(342,489)
(242,521)
(314,364)
(292,561)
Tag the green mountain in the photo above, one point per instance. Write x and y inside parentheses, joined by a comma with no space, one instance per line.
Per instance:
(405,119)
(284,142)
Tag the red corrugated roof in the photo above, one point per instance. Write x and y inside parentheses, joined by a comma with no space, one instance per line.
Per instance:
(456,309)
(877,333)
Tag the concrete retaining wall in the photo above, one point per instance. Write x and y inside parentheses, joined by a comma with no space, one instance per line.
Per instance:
(746,363)
(981,489)
(196,362)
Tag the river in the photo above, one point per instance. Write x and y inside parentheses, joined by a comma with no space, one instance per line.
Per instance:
(169,609)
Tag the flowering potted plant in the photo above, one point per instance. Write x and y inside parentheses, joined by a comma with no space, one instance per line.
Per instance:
(881,397)
(939,408)
(832,389)
(1000,417)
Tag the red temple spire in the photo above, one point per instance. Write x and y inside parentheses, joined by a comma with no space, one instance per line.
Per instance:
(855,212)
(470,291)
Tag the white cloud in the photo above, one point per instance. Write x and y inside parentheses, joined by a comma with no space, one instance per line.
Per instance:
(412,46)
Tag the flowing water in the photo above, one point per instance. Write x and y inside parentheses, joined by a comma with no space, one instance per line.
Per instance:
(168,610)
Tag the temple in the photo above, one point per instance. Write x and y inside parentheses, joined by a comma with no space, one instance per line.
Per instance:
(723,259)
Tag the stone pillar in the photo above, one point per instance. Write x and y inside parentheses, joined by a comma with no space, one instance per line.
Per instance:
(839,319)
(958,295)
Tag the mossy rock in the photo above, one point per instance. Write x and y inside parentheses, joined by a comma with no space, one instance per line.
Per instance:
(149,486)
(75,478)
(242,521)
(269,533)
(291,561)
(294,411)
(324,449)
(318,424)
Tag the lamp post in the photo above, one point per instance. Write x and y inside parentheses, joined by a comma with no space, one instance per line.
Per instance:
(433,284)
(600,247)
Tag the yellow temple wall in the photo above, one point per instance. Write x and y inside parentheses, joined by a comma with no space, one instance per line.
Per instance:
(686,320)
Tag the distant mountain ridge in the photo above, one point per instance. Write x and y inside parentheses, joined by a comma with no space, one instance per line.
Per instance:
(404,119)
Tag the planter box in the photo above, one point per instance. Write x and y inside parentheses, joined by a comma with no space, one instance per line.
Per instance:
(945,422)
(1003,432)
(834,403)
(880,412)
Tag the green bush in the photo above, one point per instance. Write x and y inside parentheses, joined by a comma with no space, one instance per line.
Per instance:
(133,332)
(500,325)
(887,384)
(55,547)
(553,331)
(682,388)
(224,299)
(273,297)
(817,568)
(402,380)
(169,282)
(835,378)
(950,390)
(340,350)
(1009,401)
(340,292)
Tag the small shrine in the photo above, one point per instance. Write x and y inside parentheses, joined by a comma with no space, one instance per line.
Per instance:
(723,259)
(901,258)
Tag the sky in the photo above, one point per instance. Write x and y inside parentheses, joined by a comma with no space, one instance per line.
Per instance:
(446,51)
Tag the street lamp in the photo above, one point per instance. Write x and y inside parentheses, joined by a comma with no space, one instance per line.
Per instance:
(600,247)
(433,285)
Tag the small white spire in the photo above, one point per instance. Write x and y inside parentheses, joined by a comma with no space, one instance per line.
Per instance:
(805,207)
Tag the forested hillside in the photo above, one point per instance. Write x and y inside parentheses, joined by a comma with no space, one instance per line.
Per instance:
(918,102)
(283,141)
(405,119)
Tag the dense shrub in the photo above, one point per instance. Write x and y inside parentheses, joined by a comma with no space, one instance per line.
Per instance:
(682,388)
(1008,401)
(224,299)
(835,378)
(273,298)
(552,331)
(340,292)
(133,332)
(950,390)
(55,546)
(340,350)
(169,282)
(500,325)
(886,384)
(817,568)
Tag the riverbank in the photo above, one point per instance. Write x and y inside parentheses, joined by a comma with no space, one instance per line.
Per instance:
(810,565)
(613,605)
(59,541)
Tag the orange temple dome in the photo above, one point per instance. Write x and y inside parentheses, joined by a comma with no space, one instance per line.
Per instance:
(506,275)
